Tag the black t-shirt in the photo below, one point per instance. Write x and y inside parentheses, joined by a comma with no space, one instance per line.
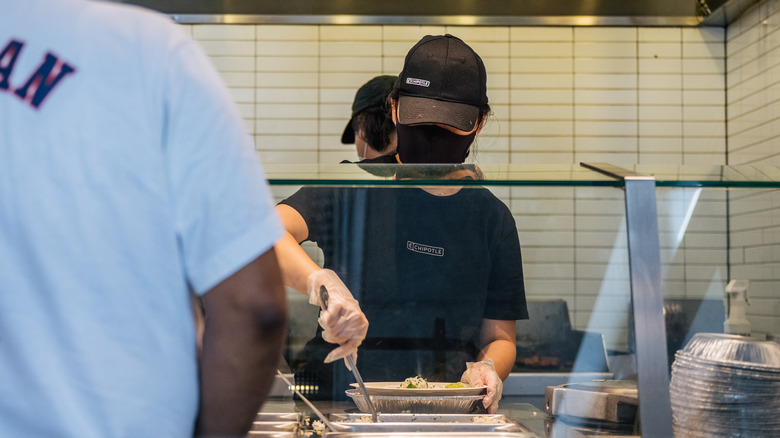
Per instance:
(426,270)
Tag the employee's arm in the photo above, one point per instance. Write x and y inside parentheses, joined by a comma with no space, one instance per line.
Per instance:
(295,264)
(498,340)
(245,324)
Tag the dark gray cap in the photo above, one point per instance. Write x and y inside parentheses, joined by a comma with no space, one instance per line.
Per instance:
(443,81)
(372,94)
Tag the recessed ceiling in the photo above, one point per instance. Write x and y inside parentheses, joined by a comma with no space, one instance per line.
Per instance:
(456,12)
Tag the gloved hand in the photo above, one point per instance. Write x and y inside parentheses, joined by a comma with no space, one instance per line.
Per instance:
(343,322)
(484,373)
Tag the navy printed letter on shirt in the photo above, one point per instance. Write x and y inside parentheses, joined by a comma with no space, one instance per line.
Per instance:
(40,83)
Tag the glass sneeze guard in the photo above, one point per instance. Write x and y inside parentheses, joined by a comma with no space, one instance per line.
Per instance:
(638,183)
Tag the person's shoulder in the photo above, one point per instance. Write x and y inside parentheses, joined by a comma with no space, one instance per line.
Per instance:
(382,159)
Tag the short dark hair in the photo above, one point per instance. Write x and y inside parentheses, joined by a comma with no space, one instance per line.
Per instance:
(376,126)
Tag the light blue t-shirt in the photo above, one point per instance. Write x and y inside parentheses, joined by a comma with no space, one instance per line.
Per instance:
(127,180)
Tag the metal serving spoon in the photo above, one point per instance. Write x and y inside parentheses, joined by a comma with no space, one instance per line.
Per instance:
(313,408)
(351,362)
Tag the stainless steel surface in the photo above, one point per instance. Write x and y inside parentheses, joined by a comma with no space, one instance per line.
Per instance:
(455,404)
(723,13)
(280,388)
(273,416)
(274,426)
(609,169)
(439,20)
(430,435)
(522,413)
(644,262)
(428,423)
(429,427)
(263,434)
(614,401)
(319,414)
(351,362)
(526,384)
(424,418)
(412,12)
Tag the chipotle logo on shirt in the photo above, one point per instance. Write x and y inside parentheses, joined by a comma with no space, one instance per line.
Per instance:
(425,249)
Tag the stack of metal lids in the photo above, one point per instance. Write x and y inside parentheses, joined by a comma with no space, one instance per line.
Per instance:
(726,386)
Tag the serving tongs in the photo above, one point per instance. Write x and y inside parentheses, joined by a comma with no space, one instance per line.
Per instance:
(322,416)
(351,362)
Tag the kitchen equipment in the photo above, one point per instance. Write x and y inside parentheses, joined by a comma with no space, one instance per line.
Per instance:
(454,404)
(547,343)
(610,401)
(432,435)
(736,299)
(351,361)
(434,388)
(425,418)
(319,414)
(726,386)
(413,423)
(733,350)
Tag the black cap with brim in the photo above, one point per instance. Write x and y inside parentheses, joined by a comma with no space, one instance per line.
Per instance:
(348,136)
(413,110)
(371,94)
(443,81)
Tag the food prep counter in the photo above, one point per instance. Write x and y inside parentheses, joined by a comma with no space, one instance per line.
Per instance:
(628,238)
(284,417)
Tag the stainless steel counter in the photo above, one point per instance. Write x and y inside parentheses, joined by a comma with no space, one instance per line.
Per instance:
(524,414)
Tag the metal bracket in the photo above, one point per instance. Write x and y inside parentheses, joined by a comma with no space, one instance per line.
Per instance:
(644,261)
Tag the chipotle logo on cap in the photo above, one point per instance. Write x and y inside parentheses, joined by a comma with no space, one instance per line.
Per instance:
(419,82)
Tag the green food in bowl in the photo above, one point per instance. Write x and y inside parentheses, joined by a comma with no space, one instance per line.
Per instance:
(457,385)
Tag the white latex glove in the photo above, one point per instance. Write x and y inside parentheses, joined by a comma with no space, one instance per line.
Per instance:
(343,322)
(484,373)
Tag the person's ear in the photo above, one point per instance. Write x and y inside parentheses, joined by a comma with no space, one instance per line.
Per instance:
(393,110)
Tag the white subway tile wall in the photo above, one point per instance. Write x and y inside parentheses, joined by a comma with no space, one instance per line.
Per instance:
(560,95)
(753,77)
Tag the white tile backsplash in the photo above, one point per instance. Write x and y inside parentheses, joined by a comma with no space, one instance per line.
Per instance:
(228,47)
(541,34)
(605,49)
(605,81)
(605,34)
(754,138)
(286,32)
(350,33)
(286,48)
(660,50)
(561,95)
(223,32)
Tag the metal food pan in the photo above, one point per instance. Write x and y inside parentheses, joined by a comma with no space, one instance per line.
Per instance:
(256,434)
(274,426)
(427,427)
(273,416)
(417,404)
(430,435)
(424,418)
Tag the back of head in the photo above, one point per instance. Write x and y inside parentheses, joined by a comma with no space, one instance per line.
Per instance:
(370,99)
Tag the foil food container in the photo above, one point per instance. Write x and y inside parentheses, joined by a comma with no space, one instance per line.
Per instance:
(726,386)
(734,351)
(453,404)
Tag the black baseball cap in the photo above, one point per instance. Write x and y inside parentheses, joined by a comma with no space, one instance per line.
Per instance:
(372,93)
(443,81)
